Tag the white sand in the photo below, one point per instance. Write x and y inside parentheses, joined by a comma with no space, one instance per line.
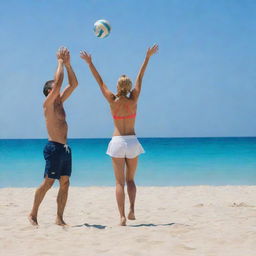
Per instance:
(202,220)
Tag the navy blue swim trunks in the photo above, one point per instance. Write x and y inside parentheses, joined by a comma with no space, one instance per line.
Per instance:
(58,160)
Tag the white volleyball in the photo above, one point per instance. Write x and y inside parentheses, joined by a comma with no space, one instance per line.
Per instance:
(102,28)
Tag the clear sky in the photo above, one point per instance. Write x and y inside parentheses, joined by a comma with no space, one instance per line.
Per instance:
(202,82)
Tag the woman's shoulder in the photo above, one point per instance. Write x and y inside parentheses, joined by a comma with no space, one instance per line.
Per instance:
(123,100)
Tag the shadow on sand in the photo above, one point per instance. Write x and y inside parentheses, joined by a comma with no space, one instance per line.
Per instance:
(151,225)
(90,226)
(133,226)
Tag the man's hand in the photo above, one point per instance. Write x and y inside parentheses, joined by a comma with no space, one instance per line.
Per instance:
(61,54)
(66,57)
(85,56)
(152,50)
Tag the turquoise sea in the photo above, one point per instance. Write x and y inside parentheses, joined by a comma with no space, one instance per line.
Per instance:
(167,162)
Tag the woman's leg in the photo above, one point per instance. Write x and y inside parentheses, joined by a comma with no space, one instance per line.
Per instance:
(119,166)
(131,166)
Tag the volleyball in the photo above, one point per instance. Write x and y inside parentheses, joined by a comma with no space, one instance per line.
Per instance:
(102,28)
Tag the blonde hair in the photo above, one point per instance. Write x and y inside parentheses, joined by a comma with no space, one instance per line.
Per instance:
(124,86)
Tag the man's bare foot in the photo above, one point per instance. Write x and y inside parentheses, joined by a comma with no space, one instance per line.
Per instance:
(33,220)
(60,222)
(131,216)
(123,221)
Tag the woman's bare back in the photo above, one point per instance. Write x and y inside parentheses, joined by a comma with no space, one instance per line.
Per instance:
(123,111)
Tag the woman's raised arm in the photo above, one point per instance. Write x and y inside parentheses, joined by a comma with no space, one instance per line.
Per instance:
(136,91)
(104,89)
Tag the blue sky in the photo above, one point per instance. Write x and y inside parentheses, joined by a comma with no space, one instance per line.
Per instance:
(202,82)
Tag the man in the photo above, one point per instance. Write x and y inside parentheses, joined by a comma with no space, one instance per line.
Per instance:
(56,152)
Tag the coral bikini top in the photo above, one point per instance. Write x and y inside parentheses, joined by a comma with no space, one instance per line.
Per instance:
(124,117)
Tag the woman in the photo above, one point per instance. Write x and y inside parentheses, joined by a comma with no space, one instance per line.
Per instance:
(124,148)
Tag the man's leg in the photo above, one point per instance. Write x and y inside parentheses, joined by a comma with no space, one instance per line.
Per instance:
(62,199)
(39,196)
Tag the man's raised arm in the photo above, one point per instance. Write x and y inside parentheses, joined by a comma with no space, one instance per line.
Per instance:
(72,80)
(58,78)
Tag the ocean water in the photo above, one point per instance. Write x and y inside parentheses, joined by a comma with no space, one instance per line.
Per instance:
(167,162)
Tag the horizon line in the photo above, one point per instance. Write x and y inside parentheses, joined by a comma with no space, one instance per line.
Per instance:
(160,137)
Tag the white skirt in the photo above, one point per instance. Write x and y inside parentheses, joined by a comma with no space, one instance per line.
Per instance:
(124,147)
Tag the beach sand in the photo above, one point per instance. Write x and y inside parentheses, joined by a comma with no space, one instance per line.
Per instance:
(200,220)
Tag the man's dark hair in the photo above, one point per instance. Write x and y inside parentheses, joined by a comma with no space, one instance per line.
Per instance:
(47,87)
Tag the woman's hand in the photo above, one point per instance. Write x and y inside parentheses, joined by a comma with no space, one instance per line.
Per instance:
(152,50)
(85,56)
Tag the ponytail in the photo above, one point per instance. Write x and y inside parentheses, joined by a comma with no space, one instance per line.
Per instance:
(124,86)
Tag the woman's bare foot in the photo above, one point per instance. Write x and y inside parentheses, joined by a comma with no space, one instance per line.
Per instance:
(123,221)
(60,222)
(131,216)
(33,220)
